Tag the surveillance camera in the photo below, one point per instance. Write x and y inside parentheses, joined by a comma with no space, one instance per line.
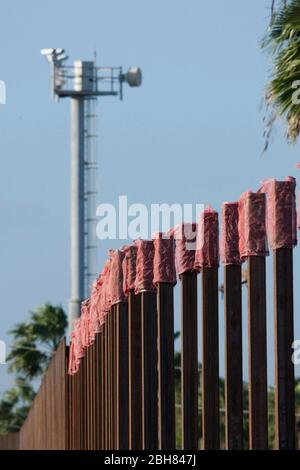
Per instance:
(133,77)
(47,52)
(61,57)
(54,56)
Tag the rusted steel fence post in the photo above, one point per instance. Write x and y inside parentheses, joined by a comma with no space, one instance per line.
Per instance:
(164,278)
(282,236)
(120,352)
(257,347)
(149,371)
(207,259)
(86,401)
(110,380)
(89,396)
(185,239)
(83,398)
(134,349)
(135,371)
(113,377)
(103,388)
(166,394)
(98,390)
(189,361)
(70,420)
(210,359)
(103,313)
(122,377)
(69,424)
(107,391)
(94,401)
(90,392)
(252,243)
(144,286)
(233,327)
(79,409)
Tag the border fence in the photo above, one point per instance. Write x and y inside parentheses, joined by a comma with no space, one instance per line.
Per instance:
(118,389)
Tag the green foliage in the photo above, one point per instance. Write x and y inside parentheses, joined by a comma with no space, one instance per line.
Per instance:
(14,407)
(34,343)
(282,41)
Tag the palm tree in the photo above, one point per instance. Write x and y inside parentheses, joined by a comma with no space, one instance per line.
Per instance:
(282,41)
(14,407)
(35,341)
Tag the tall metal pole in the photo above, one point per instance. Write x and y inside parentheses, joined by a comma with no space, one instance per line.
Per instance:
(91,247)
(77,208)
(80,83)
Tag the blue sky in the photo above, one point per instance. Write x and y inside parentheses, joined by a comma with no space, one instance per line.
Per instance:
(191,134)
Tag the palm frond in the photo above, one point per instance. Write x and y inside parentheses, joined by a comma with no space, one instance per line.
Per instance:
(283,43)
